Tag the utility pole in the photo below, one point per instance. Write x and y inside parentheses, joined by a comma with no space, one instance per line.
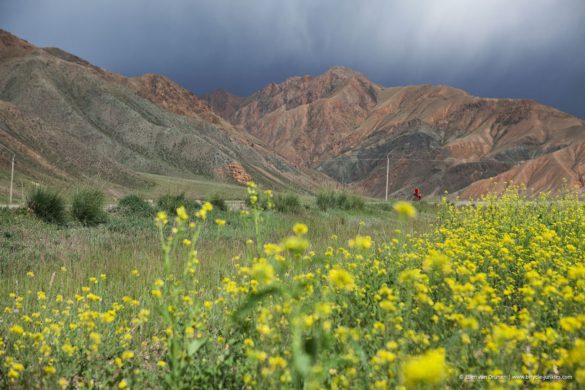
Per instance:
(387,173)
(12,179)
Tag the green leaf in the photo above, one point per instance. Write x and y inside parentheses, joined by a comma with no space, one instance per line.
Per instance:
(301,359)
(195,345)
(302,363)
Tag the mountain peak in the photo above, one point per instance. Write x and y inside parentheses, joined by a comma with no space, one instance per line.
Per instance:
(343,71)
(301,90)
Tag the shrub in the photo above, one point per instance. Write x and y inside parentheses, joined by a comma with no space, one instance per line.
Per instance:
(218,202)
(287,203)
(353,202)
(47,205)
(88,207)
(170,203)
(135,205)
(326,200)
(332,200)
(342,201)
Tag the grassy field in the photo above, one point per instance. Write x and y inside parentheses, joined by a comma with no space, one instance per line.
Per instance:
(128,242)
(372,298)
(195,187)
(198,188)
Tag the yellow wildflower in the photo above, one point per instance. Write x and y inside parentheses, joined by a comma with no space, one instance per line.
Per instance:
(272,249)
(162,217)
(182,213)
(361,242)
(427,369)
(295,244)
(341,279)
(16,329)
(127,355)
(404,209)
(300,229)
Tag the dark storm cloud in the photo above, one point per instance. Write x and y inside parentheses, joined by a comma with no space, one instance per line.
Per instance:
(498,48)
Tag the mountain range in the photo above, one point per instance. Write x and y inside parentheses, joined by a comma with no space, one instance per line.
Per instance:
(68,119)
(434,137)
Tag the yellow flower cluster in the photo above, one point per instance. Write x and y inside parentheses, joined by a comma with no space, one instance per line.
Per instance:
(495,289)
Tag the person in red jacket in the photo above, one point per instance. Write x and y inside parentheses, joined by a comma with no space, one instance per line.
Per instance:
(417,194)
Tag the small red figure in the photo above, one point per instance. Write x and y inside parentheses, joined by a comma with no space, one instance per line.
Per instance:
(417,194)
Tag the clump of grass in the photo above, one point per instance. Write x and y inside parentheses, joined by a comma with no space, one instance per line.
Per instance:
(287,203)
(135,205)
(170,203)
(334,200)
(352,202)
(218,202)
(47,205)
(326,200)
(87,207)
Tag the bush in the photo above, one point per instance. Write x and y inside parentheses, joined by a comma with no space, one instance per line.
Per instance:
(353,202)
(170,203)
(332,200)
(47,205)
(88,207)
(218,202)
(326,200)
(135,205)
(287,203)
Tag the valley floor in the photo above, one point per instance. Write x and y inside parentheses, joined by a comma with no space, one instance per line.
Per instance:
(127,243)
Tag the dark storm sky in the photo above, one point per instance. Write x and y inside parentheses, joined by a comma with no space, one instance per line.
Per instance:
(493,48)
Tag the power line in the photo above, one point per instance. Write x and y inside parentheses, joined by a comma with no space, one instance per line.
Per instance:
(382,158)
(5,148)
